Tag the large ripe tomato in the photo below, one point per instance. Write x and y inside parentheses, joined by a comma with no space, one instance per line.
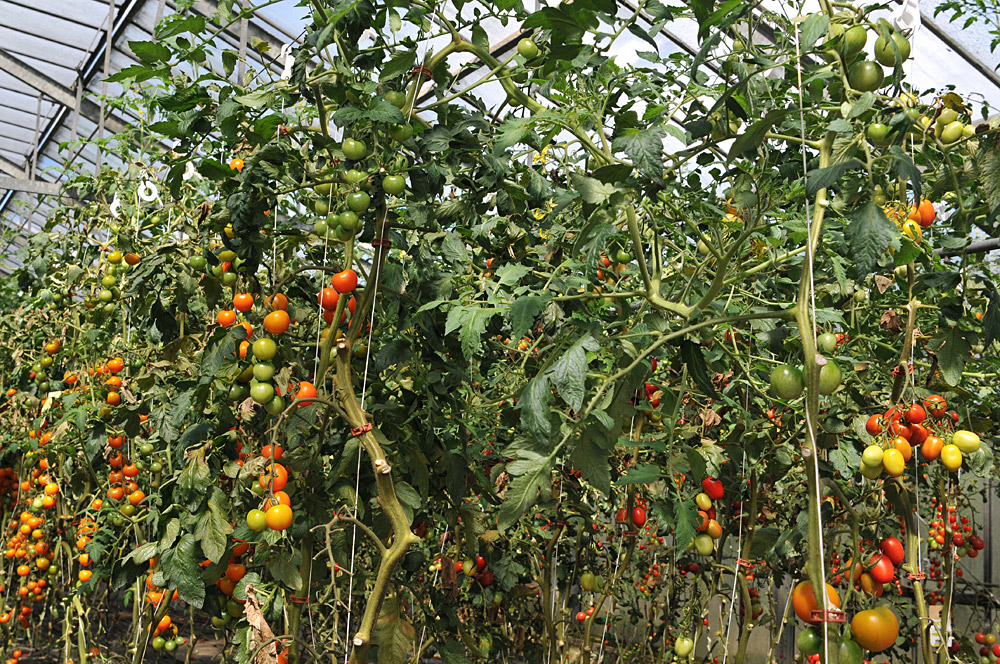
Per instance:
(919,434)
(804,601)
(936,405)
(893,548)
(875,629)
(915,414)
(882,570)
(344,281)
(874,425)
(951,457)
(713,488)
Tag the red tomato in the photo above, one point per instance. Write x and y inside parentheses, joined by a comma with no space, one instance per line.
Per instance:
(638,517)
(883,571)
(874,425)
(916,414)
(875,629)
(713,488)
(893,549)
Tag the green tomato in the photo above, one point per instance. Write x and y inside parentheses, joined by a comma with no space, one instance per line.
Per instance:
(354,149)
(358,201)
(262,392)
(198,262)
(588,581)
(108,280)
(878,134)
(528,49)
(324,189)
(866,76)
(256,519)
(826,342)
(854,40)
(400,132)
(872,456)
(128,510)
(394,184)
(396,98)
(349,220)
(704,544)
(946,116)
(683,646)
(216,270)
(830,377)
(264,349)
(849,652)
(155,467)
(344,234)
(321,207)
(234,608)
(263,371)
(275,406)
(158,643)
(952,132)
(966,441)
(884,49)
(229,279)
(786,382)
(105,295)
(320,228)
(146,449)
(353,176)
(170,645)
(623,256)
(238,392)
(218,622)
(227,255)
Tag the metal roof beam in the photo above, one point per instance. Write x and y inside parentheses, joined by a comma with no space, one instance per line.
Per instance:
(30,186)
(9,167)
(54,90)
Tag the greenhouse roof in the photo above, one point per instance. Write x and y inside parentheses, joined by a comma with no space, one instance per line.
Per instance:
(54,60)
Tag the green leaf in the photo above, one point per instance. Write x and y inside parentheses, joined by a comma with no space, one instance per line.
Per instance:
(904,167)
(213,527)
(523,312)
(697,366)
(179,566)
(980,462)
(645,149)
(569,372)
(643,474)
(952,347)
(511,132)
(143,553)
(522,492)
(510,274)
(393,635)
(260,98)
(590,456)
(755,133)
(400,63)
(868,235)
(479,37)
(813,28)
(284,569)
(906,253)
(195,478)
(763,542)
(148,52)
(845,459)
(591,190)
(453,249)
(685,520)
(821,178)
(534,407)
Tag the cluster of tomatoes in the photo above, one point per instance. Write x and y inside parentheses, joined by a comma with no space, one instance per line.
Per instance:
(912,222)
(880,569)
(277,511)
(874,629)
(988,646)
(124,489)
(29,539)
(711,490)
(166,636)
(901,428)
(953,536)
(106,292)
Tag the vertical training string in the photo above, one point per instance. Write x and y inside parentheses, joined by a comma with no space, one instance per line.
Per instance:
(739,555)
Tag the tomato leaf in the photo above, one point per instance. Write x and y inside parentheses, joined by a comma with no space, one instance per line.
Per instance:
(148,52)
(821,178)
(980,462)
(845,460)
(991,318)
(645,149)
(904,167)
(643,474)
(400,63)
(179,566)
(569,372)
(755,133)
(952,346)
(523,312)
(393,635)
(591,190)
(534,407)
(763,542)
(213,527)
(284,567)
(813,28)
(590,456)
(868,235)
(697,365)
(685,520)
(523,490)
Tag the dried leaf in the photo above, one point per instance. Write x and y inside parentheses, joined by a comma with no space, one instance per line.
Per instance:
(449,578)
(260,631)
(882,283)
(709,418)
(891,322)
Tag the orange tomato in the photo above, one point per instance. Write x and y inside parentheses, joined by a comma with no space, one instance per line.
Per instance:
(274,477)
(277,301)
(243,302)
(226,317)
(277,322)
(115,365)
(278,517)
(804,601)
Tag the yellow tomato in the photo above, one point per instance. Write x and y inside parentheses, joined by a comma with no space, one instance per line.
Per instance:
(951,457)
(893,462)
